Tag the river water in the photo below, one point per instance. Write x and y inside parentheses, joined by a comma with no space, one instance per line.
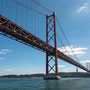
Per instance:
(40,84)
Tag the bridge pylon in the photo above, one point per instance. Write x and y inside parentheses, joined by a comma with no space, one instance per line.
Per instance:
(51,60)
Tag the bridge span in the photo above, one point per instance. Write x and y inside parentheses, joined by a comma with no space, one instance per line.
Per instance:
(14,31)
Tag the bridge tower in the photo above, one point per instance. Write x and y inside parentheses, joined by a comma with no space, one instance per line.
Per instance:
(51,60)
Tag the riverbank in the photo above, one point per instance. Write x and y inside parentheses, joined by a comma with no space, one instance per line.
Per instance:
(61,74)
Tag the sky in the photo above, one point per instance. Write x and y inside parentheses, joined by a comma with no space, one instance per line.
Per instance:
(17,58)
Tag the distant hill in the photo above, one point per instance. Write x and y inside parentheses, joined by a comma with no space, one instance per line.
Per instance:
(62,74)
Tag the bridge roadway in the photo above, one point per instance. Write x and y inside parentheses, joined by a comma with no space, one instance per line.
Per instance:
(10,29)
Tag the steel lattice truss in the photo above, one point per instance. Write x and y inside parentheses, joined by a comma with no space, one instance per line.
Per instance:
(51,60)
(14,31)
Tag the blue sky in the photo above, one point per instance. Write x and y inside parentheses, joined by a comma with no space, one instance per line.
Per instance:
(16,58)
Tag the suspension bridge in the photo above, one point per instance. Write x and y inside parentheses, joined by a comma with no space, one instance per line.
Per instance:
(31,23)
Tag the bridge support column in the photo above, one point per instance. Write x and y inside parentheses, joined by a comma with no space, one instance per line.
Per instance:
(51,60)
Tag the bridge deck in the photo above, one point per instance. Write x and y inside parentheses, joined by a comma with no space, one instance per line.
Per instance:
(10,28)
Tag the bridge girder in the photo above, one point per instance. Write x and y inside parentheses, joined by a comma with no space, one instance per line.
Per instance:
(10,29)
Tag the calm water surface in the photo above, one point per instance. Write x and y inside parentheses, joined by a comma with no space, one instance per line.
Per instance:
(40,84)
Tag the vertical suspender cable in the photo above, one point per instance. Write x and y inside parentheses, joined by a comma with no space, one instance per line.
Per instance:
(1,6)
(26,15)
(67,39)
(17,13)
(22,17)
(38,23)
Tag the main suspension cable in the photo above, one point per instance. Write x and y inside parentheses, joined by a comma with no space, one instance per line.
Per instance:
(30,8)
(39,4)
(63,45)
(66,39)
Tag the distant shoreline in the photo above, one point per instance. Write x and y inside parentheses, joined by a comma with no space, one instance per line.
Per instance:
(61,74)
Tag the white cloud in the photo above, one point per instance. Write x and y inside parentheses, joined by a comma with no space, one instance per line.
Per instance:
(6,50)
(2,52)
(76,50)
(82,8)
(68,70)
(81,70)
(84,61)
(1,58)
(9,70)
(61,66)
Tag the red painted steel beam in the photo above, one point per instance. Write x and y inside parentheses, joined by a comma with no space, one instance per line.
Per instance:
(47,42)
(14,30)
(55,42)
(51,27)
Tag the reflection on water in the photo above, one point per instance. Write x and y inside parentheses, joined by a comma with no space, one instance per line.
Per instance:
(52,85)
(40,84)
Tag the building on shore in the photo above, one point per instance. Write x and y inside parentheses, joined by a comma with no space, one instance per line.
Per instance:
(76,69)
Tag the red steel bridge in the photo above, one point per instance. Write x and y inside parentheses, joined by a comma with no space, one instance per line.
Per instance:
(14,31)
